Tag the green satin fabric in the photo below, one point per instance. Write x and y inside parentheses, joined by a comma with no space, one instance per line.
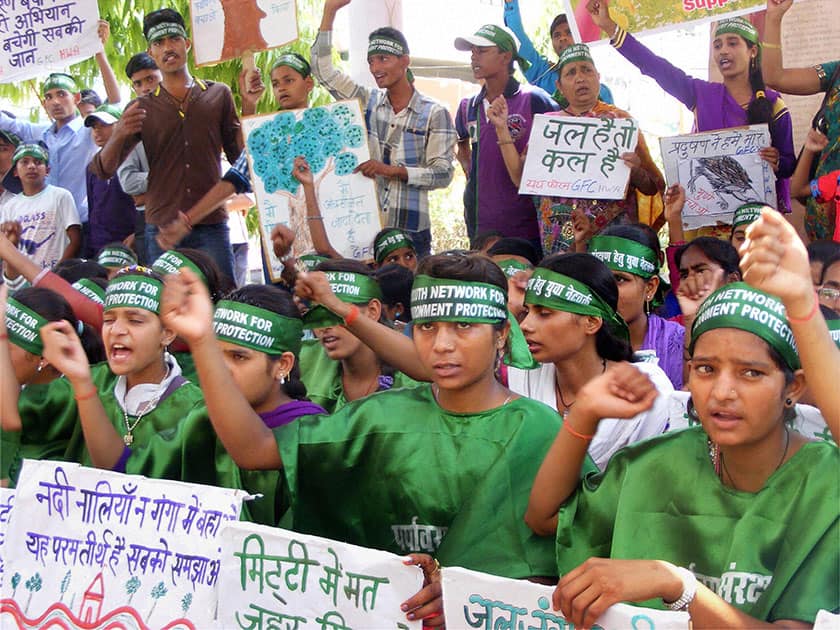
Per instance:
(396,456)
(788,530)
(322,377)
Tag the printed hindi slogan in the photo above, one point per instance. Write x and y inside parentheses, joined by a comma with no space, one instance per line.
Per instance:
(642,17)
(478,600)
(577,157)
(41,36)
(88,546)
(274,578)
(720,170)
(333,139)
(224,29)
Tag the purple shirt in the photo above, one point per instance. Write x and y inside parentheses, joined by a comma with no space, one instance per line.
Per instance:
(667,339)
(713,106)
(491,201)
(112,211)
(289,412)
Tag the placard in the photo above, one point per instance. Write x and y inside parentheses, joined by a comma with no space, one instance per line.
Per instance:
(579,157)
(39,37)
(333,139)
(720,170)
(478,600)
(95,547)
(642,17)
(274,578)
(7,502)
(224,29)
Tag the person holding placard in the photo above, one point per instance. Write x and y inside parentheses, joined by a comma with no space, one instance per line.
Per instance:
(411,136)
(717,544)
(557,216)
(741,99)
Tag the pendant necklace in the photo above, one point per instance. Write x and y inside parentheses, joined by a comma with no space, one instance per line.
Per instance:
(719,462)
(568,406)
(128,438)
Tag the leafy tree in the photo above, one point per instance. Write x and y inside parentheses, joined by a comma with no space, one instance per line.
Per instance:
(131,587)
(32,585)
(186,602)
(15,583)
(65,584)
(158,591)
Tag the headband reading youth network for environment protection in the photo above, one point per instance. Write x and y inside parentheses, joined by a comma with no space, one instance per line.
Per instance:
(562,293)
(134,290)
(257,328)
(348,286)
(23,325)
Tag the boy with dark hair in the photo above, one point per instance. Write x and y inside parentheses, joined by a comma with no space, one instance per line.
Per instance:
(411,137)
(184,125)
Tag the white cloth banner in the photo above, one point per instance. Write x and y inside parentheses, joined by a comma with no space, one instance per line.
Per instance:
(224,29)
(89,546)
(479,600)
(333,139)
(720,170)
(578,157)
(40,37)
(274,578)
(7,502)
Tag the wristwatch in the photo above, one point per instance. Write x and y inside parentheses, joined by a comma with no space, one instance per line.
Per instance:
(689,591)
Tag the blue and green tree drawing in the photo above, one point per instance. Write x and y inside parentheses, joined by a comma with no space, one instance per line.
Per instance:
(322,136)
(158,591)
(65,584)
(186,602)
(15,584)
(131,587)
(32,585)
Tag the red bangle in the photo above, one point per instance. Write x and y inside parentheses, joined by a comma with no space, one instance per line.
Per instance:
(352,316)
(186,219)
(809,316)
(93,392)
(575,433)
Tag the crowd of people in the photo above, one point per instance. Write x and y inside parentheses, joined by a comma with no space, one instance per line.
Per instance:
(646,417)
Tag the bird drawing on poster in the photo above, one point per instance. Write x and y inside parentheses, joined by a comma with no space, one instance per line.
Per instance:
(726,176)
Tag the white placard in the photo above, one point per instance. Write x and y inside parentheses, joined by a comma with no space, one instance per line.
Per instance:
(40,37)
(333,139)
(478,600)
(578,157)
(720,170)
(225,29)
(7,502)
(274,578)
(102,548)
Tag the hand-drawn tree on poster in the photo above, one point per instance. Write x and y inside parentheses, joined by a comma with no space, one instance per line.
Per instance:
(131,587)
(65,584)
(32,585)
(15,584)
(322,136)
(158,591)
(186,602)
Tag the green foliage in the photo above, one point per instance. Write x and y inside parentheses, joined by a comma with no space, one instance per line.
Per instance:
(34,583)
(132,585)
(126,20)
(186,602)
(159,590)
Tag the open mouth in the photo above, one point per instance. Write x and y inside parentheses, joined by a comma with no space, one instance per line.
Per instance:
(119,352)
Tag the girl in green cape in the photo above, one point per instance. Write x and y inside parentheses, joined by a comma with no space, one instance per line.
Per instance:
(442,468)
(746,534)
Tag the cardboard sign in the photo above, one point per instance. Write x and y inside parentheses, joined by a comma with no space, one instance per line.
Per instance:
(333,139)
(578,157)
(90,546)
(39,37)
(274,578)
(224,29)
(720,170)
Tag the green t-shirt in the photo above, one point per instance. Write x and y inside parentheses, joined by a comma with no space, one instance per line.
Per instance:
(774,554)
(394,471)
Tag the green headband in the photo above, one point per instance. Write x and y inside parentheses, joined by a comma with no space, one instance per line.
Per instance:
(738,26)
(511,266)
(348,286)
(172,261)
(562,293)
(90,290)
(310,261)
(738,305)
(746,214)
(295,62)
(134,290)
(116,257)
(575,52)
(257,328)
(31,150)
(834,330)
(384,45)
(388,242)
(59,80)
(23,325)
(165,29)
(624,254)
(448,300)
